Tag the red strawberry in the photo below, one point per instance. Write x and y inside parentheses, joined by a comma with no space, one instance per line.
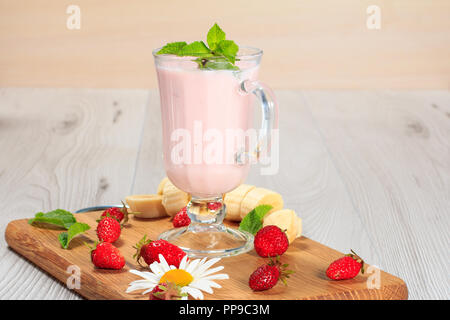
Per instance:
(346,267)
(181,219)
(108,229)
(150,251)
(214,205)
(106,256)
(267,275)
(270,241)
(166,291)
(120,214)
(113,212)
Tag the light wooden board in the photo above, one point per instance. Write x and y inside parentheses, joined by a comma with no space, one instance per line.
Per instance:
(307,44)
(309,260)
(62,148)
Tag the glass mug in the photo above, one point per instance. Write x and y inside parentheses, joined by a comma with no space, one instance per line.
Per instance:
(206,119)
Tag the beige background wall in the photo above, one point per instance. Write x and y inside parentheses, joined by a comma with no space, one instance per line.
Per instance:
(307,44)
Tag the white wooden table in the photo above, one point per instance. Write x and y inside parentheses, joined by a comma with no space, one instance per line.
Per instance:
(365,170)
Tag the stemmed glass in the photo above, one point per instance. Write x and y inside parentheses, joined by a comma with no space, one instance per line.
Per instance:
(209,142)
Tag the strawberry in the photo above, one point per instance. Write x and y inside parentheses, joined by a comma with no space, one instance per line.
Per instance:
(267,275)
(166,291)
(120,214)
(346,267)
(150,250)
(270,241)
(106,256)
(181,219)
(108,229)
(214,205)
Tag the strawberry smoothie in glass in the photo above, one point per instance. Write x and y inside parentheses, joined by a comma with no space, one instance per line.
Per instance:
(207,121)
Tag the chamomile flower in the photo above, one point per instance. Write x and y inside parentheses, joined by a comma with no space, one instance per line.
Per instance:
(193,276)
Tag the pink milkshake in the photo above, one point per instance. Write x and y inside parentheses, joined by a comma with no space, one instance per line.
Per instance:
(202,110)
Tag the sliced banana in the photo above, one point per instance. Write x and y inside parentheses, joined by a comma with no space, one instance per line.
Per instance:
(233,201)
(299,227)
(285,219)
(173,199)
(258,196)
(161,185)
(149,205)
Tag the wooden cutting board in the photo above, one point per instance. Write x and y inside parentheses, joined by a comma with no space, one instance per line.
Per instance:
(309,259)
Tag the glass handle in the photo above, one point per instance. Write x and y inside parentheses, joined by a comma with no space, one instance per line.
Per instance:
(269,109)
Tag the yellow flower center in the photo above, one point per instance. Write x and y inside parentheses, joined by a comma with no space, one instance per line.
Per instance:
(178,276)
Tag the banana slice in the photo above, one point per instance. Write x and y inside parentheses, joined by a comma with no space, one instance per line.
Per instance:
(285,219)
(161,185)
(149,205)
(259,196)
(233,201)
(299,227)
(173,199)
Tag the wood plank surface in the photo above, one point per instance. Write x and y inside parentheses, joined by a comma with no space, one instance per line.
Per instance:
(348,161)
(62,148)
(392,152)
(308,258)
(307,44)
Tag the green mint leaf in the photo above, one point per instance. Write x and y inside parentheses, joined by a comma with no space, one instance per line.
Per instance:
(215,63)
(215,35)
(253,221)
(58,217)
(172,48)
(221,54)
(196,49)
(229,49)
(74,230)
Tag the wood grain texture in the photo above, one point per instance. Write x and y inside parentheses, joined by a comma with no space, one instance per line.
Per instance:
(309,258)
(61,149)
(307,44)
(392,151)
(348,160)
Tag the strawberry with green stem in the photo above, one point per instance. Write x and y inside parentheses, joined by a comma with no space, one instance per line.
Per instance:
(268,275)
(346,267)
(150,250)
(106,256)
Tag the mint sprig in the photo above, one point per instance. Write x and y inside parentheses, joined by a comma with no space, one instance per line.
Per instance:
(253,221)
(58,217)
(220,55)
(62,219)
(74,230)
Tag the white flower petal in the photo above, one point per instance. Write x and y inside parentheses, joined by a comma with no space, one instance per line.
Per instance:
(195,293)
(192,266)
(183,262)
(141,274)
(220,276)
(163,263)
(155,268)
(210,271)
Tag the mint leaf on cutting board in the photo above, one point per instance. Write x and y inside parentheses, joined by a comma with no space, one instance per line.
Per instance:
(58,217)
(74,230)
(253,221)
